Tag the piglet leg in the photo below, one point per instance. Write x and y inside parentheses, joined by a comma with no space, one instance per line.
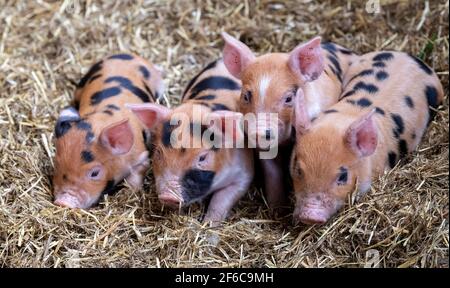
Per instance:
(222,202)
(138,171)
(273,183)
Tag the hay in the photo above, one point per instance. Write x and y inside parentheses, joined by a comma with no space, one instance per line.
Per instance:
(46,46)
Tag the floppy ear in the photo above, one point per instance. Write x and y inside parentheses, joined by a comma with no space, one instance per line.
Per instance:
(117,138)
(301,122)
(306,60)
(149,114)
(236,55)
(228,125)
(362,136)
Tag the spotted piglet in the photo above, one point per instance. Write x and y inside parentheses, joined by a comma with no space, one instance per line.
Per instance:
(98,141)
(381,117)
(189,170)
(269,85)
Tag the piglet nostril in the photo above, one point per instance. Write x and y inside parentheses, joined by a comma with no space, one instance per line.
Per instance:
(268,134)
(169,200)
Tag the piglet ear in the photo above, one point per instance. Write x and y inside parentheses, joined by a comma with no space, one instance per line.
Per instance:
(149,114)
(118,137)
(302,122)
(362,135)
(306,60)
(228,125)
(236,55)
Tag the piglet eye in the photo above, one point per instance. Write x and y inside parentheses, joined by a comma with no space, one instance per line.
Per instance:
(288,99)
(342,176)
(202,158)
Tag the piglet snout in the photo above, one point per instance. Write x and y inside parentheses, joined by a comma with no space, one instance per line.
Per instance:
(314,210)
(169,199)
(67,200)
(313,216)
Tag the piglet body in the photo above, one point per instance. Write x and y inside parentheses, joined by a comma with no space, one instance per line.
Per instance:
(185,174)
(98,141)
(384,111)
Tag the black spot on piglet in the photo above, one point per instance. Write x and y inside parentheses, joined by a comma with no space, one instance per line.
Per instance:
(384,56)
(121,57)
(409,102)
(432,100)
(196,183)
(399,125)
(61,128)
(392,158)
(422,65)
(87,156)
(99,96)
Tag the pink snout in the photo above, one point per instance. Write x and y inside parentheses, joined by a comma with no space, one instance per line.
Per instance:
(311,216)
(170,200)
(67,200)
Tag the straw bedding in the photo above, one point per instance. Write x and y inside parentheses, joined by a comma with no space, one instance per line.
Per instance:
(45,47)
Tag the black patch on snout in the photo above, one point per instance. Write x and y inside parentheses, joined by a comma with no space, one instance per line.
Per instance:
(122,56)
(144,71)
(127,84)
(196,183)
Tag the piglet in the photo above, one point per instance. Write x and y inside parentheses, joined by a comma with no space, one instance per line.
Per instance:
(189,168)
(389,100)
(98,141)
(269,85)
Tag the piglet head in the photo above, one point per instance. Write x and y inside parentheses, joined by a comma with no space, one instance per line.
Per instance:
(270,83)
(86,161)
(327,163)
(189,159)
